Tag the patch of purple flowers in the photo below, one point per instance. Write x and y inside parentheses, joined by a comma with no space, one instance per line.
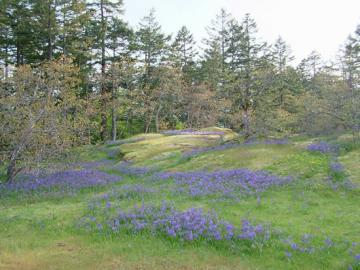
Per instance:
(356,263)
(307,244)
(336,167)
(63,180)
(337,176)
(288,254)
(226,183)
(189,225)
(322,147)
(250,231)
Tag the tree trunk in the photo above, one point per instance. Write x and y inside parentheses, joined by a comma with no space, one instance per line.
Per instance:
(24,140)
(50,46)
(113,99)
(18,54)
(113,124)
(103,134)
(147,124)
(6,64)
(246,123)
(11,169)
(64,31)
(11,172)
(157,118)
(189,120)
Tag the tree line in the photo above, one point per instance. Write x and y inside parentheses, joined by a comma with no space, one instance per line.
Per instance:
(74,72)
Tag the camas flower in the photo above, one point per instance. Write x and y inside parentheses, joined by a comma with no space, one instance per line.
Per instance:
(322,147)
(224,183)
(63,181)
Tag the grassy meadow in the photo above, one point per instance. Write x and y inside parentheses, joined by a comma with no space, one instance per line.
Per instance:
(313,220)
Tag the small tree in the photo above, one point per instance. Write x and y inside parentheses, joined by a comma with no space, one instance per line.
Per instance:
(152,103)
(40,114)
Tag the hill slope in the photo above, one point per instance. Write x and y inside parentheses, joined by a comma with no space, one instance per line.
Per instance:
(309,220)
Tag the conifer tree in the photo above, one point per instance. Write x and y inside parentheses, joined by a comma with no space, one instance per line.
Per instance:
(249,61)
(103,11)
(151,45)
(281,58)
(351,71)
(183,46)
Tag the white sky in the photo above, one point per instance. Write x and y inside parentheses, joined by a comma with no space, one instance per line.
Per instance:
(306,25)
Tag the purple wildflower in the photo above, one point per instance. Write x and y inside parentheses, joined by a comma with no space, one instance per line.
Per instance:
(189,225)
(329,242)
(322,147)
(99,226)
(64,180)
(250,231)
(226,183)
(306,238)
(294,246)
(108,205)
(336,167)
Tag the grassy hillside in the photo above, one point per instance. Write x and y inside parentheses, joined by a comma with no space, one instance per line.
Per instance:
(308,221)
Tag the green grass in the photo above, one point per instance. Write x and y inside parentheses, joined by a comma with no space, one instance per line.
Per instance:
(249,156)
(352,165)
(40,233)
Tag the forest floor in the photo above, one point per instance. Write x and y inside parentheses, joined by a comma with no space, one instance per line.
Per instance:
(308,221)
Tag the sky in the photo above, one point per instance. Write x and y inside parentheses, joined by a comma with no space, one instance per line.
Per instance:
(306,25)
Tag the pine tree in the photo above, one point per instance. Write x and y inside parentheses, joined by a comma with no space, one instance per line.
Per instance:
(74,19)
(249,61)
(47,29)
(351,71)
(18,30)
(217,50)
(281,57)
(103,11)
(218,32)
(153,50)
(183,53)
(119,41)
(152,45)
(75,39)
(310,66)
(183,48)
(7,46)
(211,68)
